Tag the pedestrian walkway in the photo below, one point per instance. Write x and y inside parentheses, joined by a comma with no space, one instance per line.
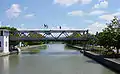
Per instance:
(114,60)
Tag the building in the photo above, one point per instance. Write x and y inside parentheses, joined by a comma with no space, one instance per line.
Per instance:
(4,40)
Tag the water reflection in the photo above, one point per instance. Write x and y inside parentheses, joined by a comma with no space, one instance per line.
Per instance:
(4,63)
(58,49)
(8,64)
(55,47)
(45,64)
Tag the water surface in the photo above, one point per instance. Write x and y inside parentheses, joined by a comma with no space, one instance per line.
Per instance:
(55,60)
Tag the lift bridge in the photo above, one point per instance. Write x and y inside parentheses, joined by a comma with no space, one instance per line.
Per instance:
(49,35)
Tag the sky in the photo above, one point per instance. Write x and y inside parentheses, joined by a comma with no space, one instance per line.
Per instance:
(69,14)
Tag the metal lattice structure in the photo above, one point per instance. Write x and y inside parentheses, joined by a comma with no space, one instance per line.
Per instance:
(49,35)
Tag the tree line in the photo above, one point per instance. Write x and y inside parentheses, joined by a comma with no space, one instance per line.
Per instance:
(109,38)
(11,34)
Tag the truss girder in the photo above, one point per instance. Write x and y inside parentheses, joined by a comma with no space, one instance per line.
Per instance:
(69,34)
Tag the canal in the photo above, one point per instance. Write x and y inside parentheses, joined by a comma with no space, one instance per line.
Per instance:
(56,59)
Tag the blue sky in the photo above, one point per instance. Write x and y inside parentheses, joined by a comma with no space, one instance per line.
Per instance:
(70,14)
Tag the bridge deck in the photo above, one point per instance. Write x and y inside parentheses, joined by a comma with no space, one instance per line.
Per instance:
(49,30)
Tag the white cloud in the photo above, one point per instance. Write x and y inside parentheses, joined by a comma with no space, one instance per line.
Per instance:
(88,21)
(106,17)
(29,15)
(109,17)
(85,1)
(101,4)
(116,14)
(96,27)
(76,13)
(14,11)
(81,13)
(71,2)
(97,12)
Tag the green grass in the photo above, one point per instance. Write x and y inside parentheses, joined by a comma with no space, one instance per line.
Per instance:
(34,50)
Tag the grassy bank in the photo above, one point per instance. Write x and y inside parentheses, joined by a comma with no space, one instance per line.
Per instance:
(33,48)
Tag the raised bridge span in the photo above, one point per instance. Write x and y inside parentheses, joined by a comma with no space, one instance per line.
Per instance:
(49,35)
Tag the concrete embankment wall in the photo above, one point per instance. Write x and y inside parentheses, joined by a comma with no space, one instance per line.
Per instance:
(104,61)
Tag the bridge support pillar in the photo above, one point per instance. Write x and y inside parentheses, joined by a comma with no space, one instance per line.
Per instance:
(4,41)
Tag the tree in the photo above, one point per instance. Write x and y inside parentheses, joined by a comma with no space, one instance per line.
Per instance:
(11,29)
(8,28)
(76,35)
(110,37)
(92,39)
(35,35)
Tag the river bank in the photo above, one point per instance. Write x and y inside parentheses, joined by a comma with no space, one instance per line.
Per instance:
(32,49)
(24,49)
(3,54)
(28,47)
(113,64)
